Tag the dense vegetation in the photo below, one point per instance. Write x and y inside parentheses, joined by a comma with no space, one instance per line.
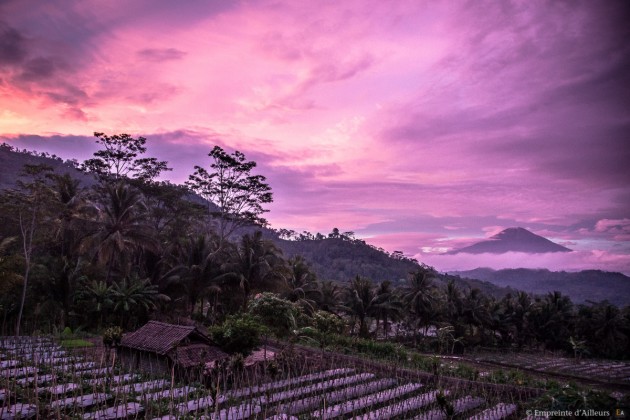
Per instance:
(124,248)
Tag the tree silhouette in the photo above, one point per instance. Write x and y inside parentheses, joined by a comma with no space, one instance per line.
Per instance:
(238,195)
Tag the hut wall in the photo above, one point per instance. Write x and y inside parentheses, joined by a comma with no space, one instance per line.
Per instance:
(146,362)
(153,363)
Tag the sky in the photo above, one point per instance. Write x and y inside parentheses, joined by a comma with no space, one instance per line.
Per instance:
(422,126)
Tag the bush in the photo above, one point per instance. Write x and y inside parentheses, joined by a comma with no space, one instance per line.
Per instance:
(279,315)
(112,336)
(238,334)
(66,333)
(77,342)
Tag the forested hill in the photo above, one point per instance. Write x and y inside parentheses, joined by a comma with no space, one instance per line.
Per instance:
(582,286)
(337,258)
(12,162)
(341,260)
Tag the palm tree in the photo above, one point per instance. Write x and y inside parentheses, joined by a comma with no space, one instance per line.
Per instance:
(608,326)
(97,295)
(419,296)
(553,317)
(257,265)
(329,298)
(476,313)
(70,203)
(133,296)
(302,285)
(197,271)
(121,229)
(361,302)
(388,305)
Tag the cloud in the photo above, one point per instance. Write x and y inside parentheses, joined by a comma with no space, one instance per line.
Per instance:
(571,261)
(12,45)
(160,54)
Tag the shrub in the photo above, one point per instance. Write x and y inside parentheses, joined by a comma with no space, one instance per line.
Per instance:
(279,315)
(77,342)
(238,334)
(112,336)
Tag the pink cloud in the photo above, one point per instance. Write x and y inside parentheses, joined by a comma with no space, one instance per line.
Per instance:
(400,120)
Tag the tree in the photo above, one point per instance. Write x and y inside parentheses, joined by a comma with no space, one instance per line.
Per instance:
(238,334)
(280,316)
(121,228)
(419,295)
(361,302)
(119,159)
(302,284)
(388,305)
(196,273)
(325,325)
(257,265)
(133,296)
(238,195)
(28,206)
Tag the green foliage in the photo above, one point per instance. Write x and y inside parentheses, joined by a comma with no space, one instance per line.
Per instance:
(238,334)
(279,315)
(571,397)
(112,336)
(76,342)
(66,333)
(325,326)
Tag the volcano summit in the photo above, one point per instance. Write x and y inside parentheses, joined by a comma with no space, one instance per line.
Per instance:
(513,240)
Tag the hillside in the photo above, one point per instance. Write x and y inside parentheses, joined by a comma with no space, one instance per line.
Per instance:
(12,162)
(582,286)
(341,260)
(331,258)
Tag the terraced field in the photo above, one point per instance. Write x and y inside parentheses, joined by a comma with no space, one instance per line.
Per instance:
(602,370)
(39,379)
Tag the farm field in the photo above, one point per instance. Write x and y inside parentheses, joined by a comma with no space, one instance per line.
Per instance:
(607,371)
(40,379)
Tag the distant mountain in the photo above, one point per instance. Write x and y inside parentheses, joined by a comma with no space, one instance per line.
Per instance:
(513,240)
(582,286)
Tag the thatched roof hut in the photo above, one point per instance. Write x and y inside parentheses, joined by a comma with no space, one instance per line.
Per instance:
(158,347)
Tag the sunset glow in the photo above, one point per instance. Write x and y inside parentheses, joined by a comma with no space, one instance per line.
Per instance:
(420,126)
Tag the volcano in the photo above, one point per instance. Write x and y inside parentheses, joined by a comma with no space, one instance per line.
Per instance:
(513,240)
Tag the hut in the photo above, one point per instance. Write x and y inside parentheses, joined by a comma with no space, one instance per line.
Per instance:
(161,348)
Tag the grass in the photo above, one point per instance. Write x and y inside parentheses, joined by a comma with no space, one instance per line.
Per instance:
(75,343)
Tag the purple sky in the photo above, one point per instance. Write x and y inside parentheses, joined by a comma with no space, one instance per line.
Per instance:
(421,126)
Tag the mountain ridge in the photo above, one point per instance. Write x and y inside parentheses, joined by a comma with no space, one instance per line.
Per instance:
(580,286)
(514,239)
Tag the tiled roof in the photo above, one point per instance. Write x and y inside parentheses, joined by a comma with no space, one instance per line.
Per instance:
(160,337)
(196,355)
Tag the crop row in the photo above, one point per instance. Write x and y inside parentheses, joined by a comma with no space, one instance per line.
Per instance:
(40,379)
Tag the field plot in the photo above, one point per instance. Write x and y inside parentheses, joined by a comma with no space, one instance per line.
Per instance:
(310,390)
(603,370)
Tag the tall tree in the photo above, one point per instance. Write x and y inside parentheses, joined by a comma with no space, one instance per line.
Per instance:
(302,284)
(197,272)
(238,196)
(120,158)
(257,265)
(361,302)
(420,296)
(121,229)
(28,206)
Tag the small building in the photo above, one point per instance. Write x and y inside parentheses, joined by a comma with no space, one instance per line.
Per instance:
(161,348)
